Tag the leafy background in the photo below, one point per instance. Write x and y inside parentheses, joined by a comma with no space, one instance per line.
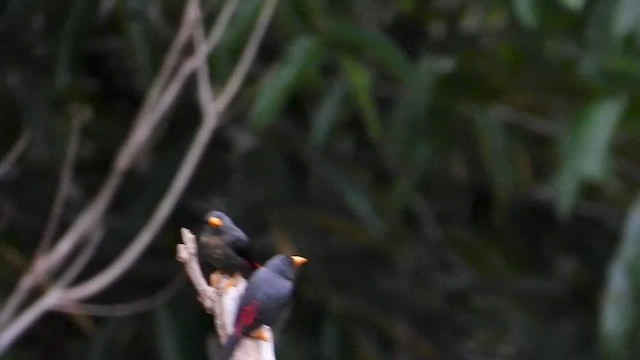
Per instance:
(462,174)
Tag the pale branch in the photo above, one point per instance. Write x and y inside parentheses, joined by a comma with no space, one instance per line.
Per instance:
(65,182)
(186,168)
(17,149)
(13,257)
(246,58)
(162,95)
(171,58)
(229,298)
(146,119)
(205,89)
(27,317)
(49,300)
(133,251)
(126,308)
(187,253)
(190,64)
(221,301)
(215,35)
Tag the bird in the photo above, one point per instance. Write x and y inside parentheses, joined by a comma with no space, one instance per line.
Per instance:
(225,247)
(264,301)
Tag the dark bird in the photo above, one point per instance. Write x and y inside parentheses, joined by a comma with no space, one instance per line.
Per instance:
(264,301)
(224,246)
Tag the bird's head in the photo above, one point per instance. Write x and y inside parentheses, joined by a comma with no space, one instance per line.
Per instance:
(218,221)
(285,266)
(220,225)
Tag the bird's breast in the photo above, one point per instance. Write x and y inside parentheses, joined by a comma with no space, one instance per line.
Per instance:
(217,252)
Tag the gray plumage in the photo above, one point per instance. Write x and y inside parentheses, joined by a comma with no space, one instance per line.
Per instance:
(264,301)
(226,247)
(271,287)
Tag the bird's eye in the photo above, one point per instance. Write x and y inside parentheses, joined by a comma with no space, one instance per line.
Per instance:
(215,222)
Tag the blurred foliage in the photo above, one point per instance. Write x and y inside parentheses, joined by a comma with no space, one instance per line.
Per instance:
(457,171)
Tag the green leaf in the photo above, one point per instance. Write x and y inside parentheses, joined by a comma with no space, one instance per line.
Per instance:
(599,42)
(410,136)
(621,297)
(236,33)
(573,5)
(526,13)
(584,152)
(328,112)
(410,126)
(306,13)
(406,6)
(376,45)
(495,152)
(609,22)
(354,195)
(626,14)
(304,53)
(361,82)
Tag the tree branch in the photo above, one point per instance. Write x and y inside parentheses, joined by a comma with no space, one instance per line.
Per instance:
(50,297)
(210,121)
(14,153)
(66,179)
(127,308)
(248,54)
(146,119)
(221,302)
(159,99)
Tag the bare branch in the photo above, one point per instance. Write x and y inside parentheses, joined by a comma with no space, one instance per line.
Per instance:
(146,120)
(43,266)
(81,260)
(66,179)
(192,63)
(158,101)
(187,253)
(205,89)
(10,255)
(27,317)
(183,174)
(129,255)
(14,153)
(17,327)
(171,59)
(128,308)
(246,59)
(14,301)
(222,302)
(221,24)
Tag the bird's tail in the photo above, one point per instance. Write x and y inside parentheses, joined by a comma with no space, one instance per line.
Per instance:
(229,347)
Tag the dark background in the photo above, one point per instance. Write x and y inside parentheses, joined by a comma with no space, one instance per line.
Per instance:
(459,173)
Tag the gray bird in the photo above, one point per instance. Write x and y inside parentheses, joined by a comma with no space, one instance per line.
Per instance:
(224,246)
(264,301)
